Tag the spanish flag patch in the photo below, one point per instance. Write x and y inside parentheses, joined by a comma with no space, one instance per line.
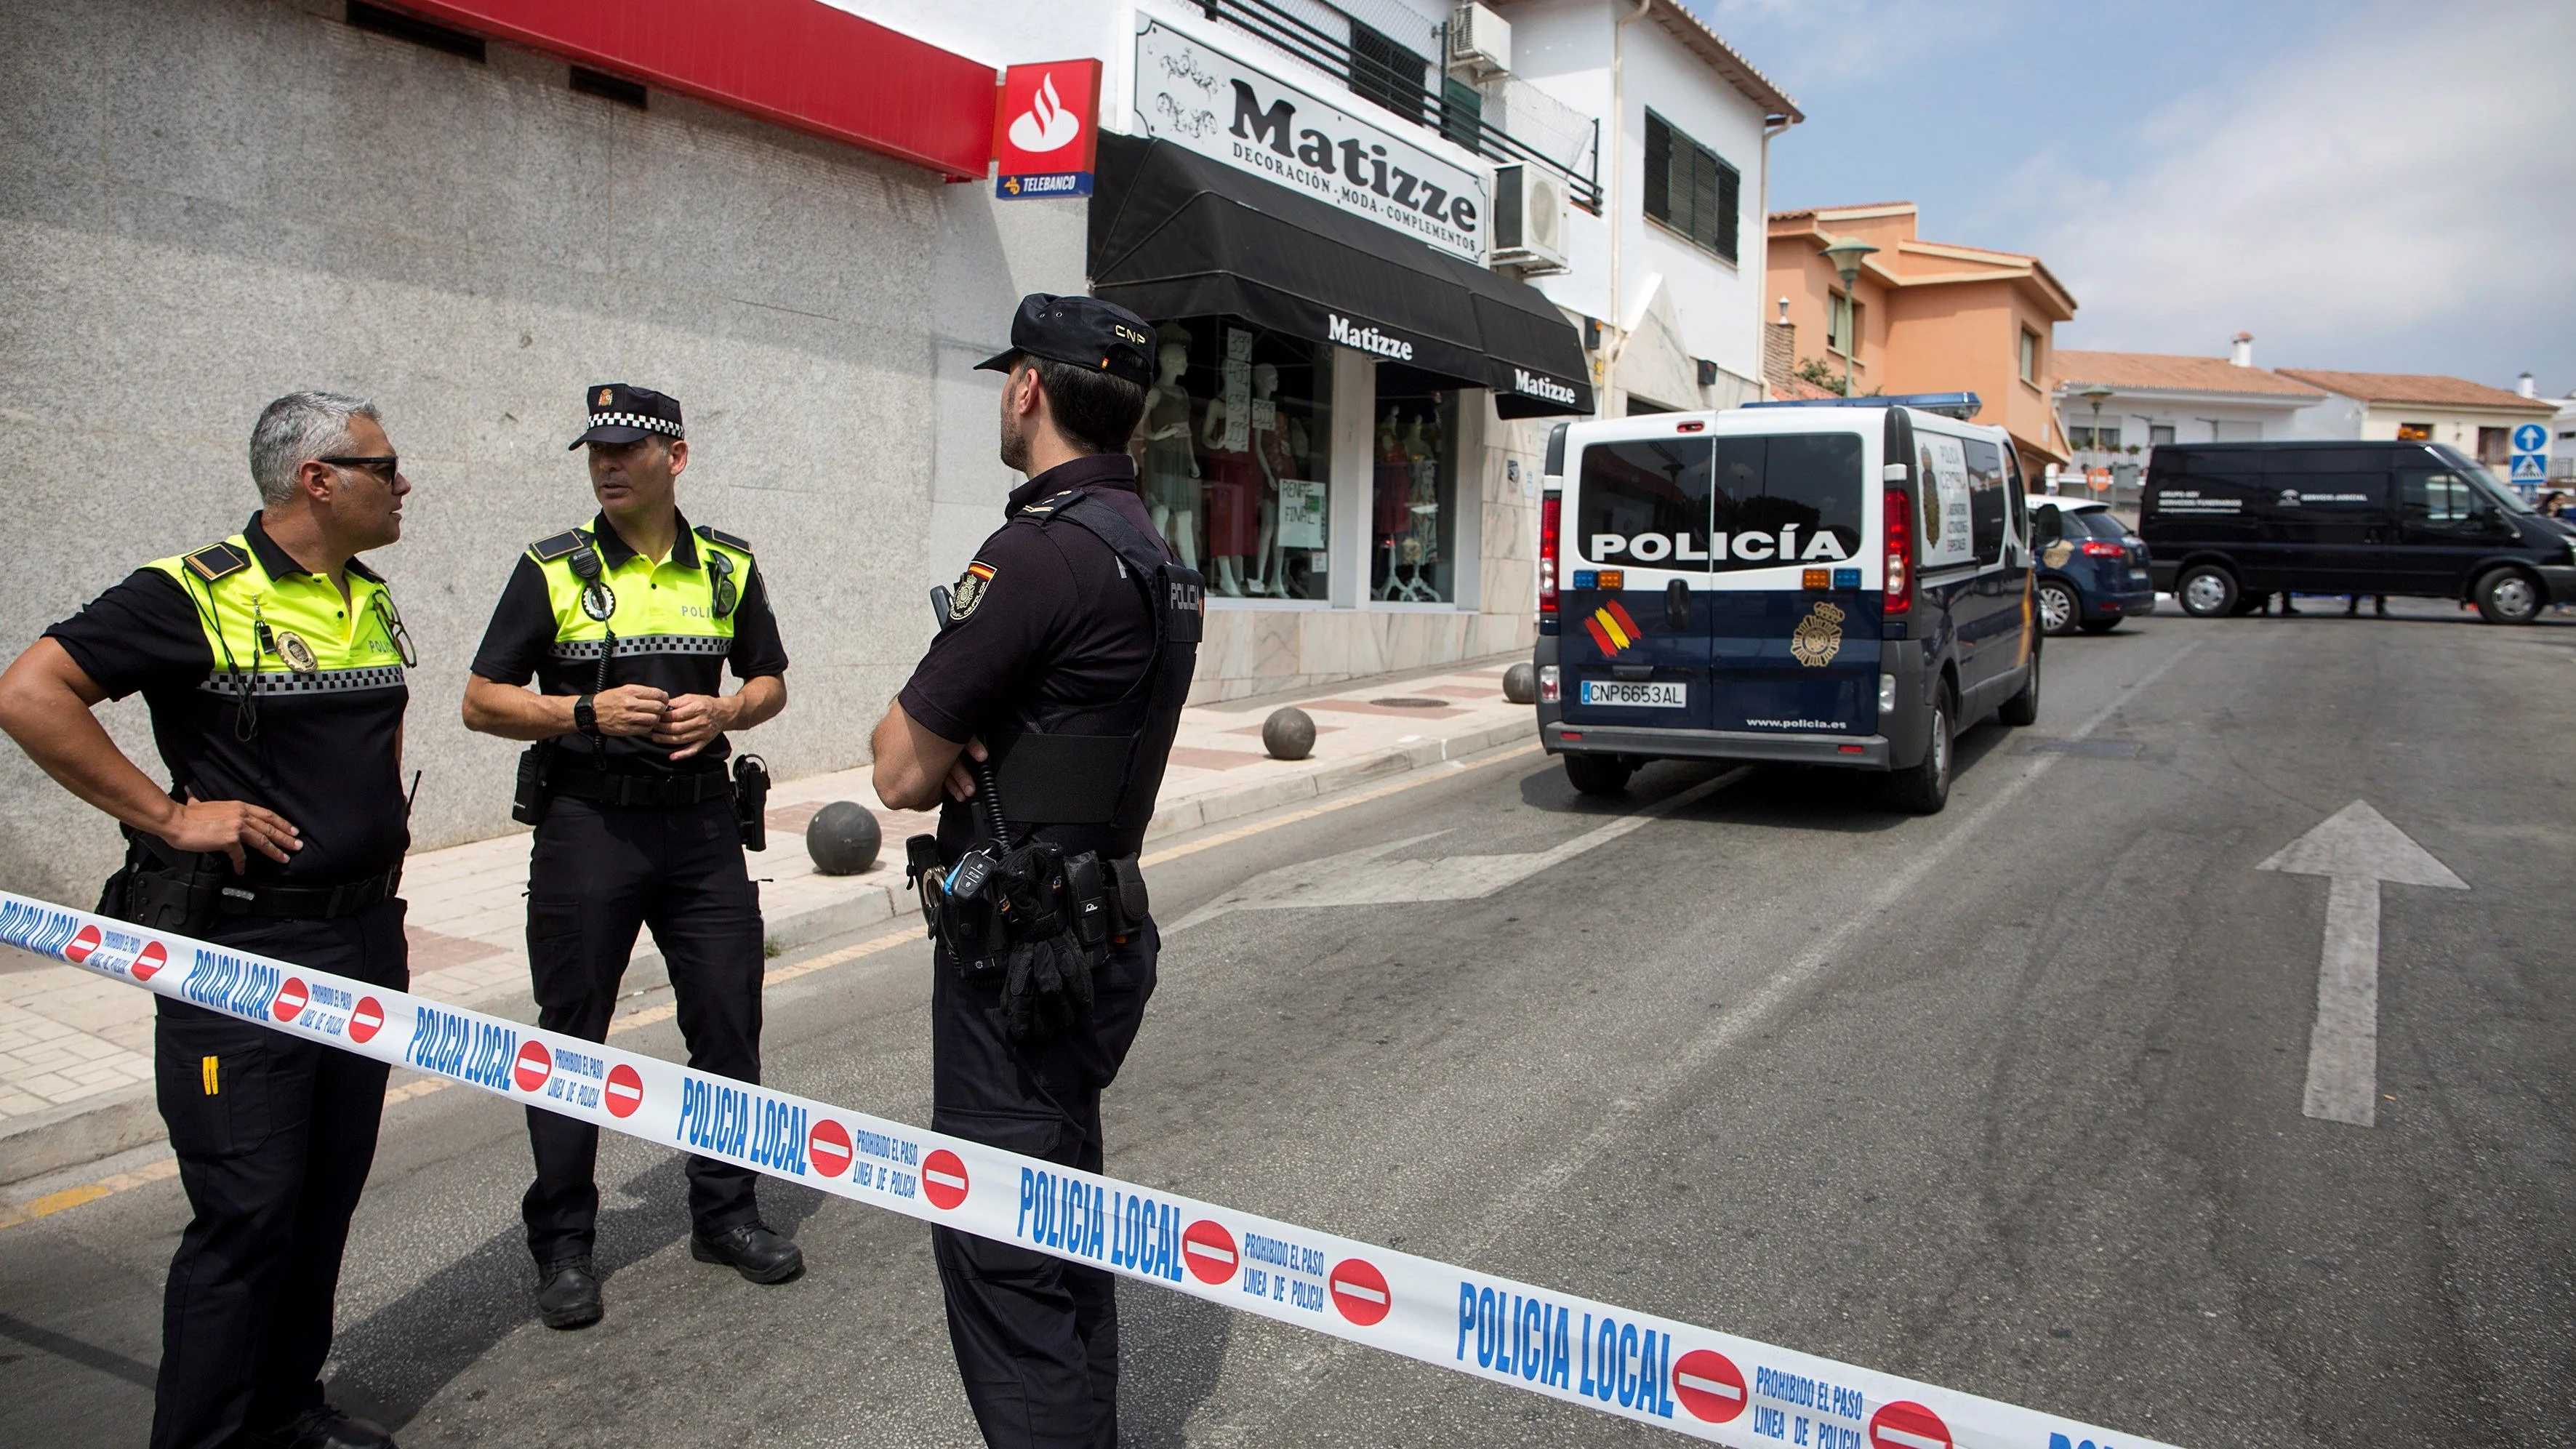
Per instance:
(1612,629)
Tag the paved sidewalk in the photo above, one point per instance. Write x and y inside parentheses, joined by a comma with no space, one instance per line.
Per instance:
(76,1049)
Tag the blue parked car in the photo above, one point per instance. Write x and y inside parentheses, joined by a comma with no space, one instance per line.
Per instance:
(2092,569)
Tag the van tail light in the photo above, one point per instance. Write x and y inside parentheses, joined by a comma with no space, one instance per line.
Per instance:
(1900,553)
(2095,548)
(1550,514)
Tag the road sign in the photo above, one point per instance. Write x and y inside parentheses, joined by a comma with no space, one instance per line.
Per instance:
(2530,467)
(2531,438)
(1209,1250)
(534,1066)
(2530,453)
(828,1148)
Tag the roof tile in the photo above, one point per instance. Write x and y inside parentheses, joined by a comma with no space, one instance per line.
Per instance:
(2167,372)
(2422,389)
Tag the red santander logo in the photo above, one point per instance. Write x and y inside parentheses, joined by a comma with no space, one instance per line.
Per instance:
(1046,125)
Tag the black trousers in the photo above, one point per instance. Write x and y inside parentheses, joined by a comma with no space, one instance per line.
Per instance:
(274,1135)
(1036,1337)
(598,873)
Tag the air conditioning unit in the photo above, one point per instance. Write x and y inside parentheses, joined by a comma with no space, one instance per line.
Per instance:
(1529,218)
(1480,40)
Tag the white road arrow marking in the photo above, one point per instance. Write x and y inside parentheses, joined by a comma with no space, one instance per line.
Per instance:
(1362,878)
(2355,848)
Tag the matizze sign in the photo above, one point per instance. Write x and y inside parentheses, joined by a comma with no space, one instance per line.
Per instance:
(1195,96)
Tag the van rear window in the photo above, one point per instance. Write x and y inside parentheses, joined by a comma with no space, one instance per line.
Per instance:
(1722,504)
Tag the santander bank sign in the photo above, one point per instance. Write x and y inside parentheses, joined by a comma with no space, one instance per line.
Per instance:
(1048,131)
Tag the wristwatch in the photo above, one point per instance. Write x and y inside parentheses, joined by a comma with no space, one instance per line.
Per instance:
(585,718)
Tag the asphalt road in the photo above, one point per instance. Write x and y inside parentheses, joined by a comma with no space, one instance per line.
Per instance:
(2009,1099)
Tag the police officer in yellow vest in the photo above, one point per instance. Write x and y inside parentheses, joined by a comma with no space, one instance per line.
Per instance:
(627,625)
(273,666)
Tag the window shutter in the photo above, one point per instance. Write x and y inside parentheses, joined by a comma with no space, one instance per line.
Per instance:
(1703,197)
(1659,161)
(1730,205)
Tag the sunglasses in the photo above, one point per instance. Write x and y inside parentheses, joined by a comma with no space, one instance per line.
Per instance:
(385,466)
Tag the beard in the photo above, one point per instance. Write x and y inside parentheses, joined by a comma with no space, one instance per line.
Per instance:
(1015,447)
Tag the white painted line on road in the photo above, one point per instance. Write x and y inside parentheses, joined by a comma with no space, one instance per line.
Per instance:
(2355,848)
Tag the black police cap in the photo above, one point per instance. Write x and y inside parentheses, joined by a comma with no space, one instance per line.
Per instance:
(623,413)
(1083,331)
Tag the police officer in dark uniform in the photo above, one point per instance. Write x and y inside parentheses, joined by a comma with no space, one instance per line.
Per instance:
(1039,721)
(272,663)
(626,625)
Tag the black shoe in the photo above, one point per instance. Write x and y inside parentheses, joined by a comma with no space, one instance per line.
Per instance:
(568,1294)
(328,1428)
(751,1250)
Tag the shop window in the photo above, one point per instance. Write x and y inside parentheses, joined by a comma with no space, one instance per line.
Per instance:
(2414,432)
(1233,454)
(1413,489)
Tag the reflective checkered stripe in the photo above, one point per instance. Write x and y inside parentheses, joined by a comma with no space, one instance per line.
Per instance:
(320,681)
(566,650)
(635,420)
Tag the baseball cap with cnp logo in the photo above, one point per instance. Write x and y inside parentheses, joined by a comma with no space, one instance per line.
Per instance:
(1083,331)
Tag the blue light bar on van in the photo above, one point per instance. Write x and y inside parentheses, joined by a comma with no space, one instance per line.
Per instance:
(1960,405)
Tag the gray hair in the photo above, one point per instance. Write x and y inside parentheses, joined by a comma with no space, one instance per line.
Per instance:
(295,430)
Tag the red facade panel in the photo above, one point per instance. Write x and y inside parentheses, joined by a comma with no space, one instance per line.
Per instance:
(797,63)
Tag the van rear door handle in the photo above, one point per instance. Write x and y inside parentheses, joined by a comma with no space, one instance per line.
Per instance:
(1677,605)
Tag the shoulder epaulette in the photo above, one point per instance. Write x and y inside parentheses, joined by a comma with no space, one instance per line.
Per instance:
(216,561)
(1041,509)
(547,550)
(718,535)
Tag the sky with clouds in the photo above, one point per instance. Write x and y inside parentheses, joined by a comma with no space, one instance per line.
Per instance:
(2378,187)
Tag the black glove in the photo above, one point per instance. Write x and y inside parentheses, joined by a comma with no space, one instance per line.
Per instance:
(1046,988)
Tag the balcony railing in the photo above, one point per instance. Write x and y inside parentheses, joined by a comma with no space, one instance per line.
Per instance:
(1392,59)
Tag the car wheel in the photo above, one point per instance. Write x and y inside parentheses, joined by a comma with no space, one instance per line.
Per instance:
(2023,707)
(1598,774)
(2507,596)
(2059,611)
(2207,592)
(1924,789)
(2100,626)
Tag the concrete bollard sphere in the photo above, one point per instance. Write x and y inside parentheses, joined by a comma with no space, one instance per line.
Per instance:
(843,838)
(1520,683)
(1289,734)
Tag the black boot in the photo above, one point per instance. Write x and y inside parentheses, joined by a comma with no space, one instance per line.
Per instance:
(328,1428)
(568,1294)
(751,1250)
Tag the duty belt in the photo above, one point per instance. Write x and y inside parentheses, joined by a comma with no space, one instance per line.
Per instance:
(621,791)
(309,903)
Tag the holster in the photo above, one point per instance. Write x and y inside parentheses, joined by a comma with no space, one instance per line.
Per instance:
(528,798)
(162,889)
(921,873)
(751,801)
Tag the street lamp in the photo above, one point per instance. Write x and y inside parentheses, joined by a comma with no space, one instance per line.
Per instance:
(1846,258)
(2098,393)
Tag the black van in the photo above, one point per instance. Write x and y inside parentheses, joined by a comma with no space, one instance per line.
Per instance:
(2230,523)
(1830,583)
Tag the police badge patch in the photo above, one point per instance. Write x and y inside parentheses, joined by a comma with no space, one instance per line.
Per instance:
(598,601)
(297,654)
(1819,637)
(2056,554)
(969,591)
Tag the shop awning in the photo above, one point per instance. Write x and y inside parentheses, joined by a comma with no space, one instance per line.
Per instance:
(1174,234)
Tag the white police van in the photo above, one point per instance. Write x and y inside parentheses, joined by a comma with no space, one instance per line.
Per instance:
(1838,583)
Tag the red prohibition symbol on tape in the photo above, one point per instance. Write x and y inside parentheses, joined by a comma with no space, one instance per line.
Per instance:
(149,964)
(1359,1291)
(1209,1250)
(943,1179)
(828,1146)
(81,945)
(1709,1385)
(534,1066)
(290,1000)
(366,1019)
(1907,1425)
(625,1090)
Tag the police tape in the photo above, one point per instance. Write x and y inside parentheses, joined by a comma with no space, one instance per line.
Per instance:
(1702,1383)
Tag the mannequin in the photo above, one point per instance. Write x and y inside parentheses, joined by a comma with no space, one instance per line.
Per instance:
(1271,447)
(1422,505)
(1233,492)
(1171,464)
(1391,495)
